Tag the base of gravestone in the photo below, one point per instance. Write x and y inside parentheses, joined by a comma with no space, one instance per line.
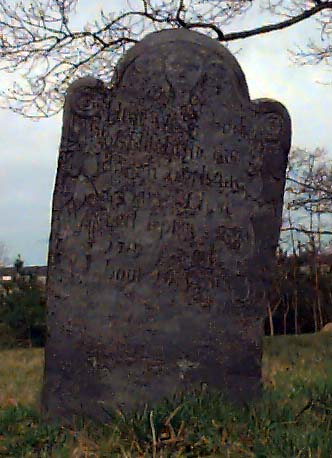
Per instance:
(106,413)
(215,362)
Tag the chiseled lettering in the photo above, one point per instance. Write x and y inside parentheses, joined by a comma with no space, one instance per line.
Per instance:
(122,220)
(232,237)
(120,275)
(222,157)
(121,247)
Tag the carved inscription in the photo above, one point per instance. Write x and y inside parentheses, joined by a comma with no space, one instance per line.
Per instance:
(124,275)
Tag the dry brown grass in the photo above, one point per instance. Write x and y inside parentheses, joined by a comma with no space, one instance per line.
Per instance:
(21,374)
(284,358)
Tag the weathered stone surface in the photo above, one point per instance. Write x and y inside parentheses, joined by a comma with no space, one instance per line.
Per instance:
(166,215)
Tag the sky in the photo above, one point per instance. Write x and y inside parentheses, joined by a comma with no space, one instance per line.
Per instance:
(29,149)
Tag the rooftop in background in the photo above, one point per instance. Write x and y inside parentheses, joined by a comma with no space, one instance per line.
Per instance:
(39,271)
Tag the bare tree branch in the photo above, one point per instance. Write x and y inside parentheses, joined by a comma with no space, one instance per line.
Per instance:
(305,231)
(280,25)
(3,254)
(308,193)
(39,45)
(306,186)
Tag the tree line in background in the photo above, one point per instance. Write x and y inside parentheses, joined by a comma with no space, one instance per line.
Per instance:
(22,310)
(301,293)
(300,299)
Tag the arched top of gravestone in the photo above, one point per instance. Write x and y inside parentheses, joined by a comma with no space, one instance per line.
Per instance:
(173,69)
(215,53)
(170,56)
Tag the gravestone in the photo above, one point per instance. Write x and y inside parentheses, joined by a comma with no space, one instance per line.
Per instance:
(166,216)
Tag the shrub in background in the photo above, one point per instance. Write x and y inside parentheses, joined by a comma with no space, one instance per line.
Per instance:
(23,312)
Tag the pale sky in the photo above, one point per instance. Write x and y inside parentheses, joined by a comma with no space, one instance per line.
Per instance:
(29,149)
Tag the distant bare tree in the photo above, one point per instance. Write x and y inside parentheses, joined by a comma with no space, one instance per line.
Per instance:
(38,42)
(3,255)
(308,197)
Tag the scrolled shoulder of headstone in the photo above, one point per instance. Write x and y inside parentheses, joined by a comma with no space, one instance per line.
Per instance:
(85,96)
(274,121)
(272,131)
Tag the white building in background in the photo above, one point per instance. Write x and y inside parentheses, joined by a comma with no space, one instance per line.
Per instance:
(8,273)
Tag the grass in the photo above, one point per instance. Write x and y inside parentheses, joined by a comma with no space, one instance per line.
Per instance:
(293,420)
(21,375)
